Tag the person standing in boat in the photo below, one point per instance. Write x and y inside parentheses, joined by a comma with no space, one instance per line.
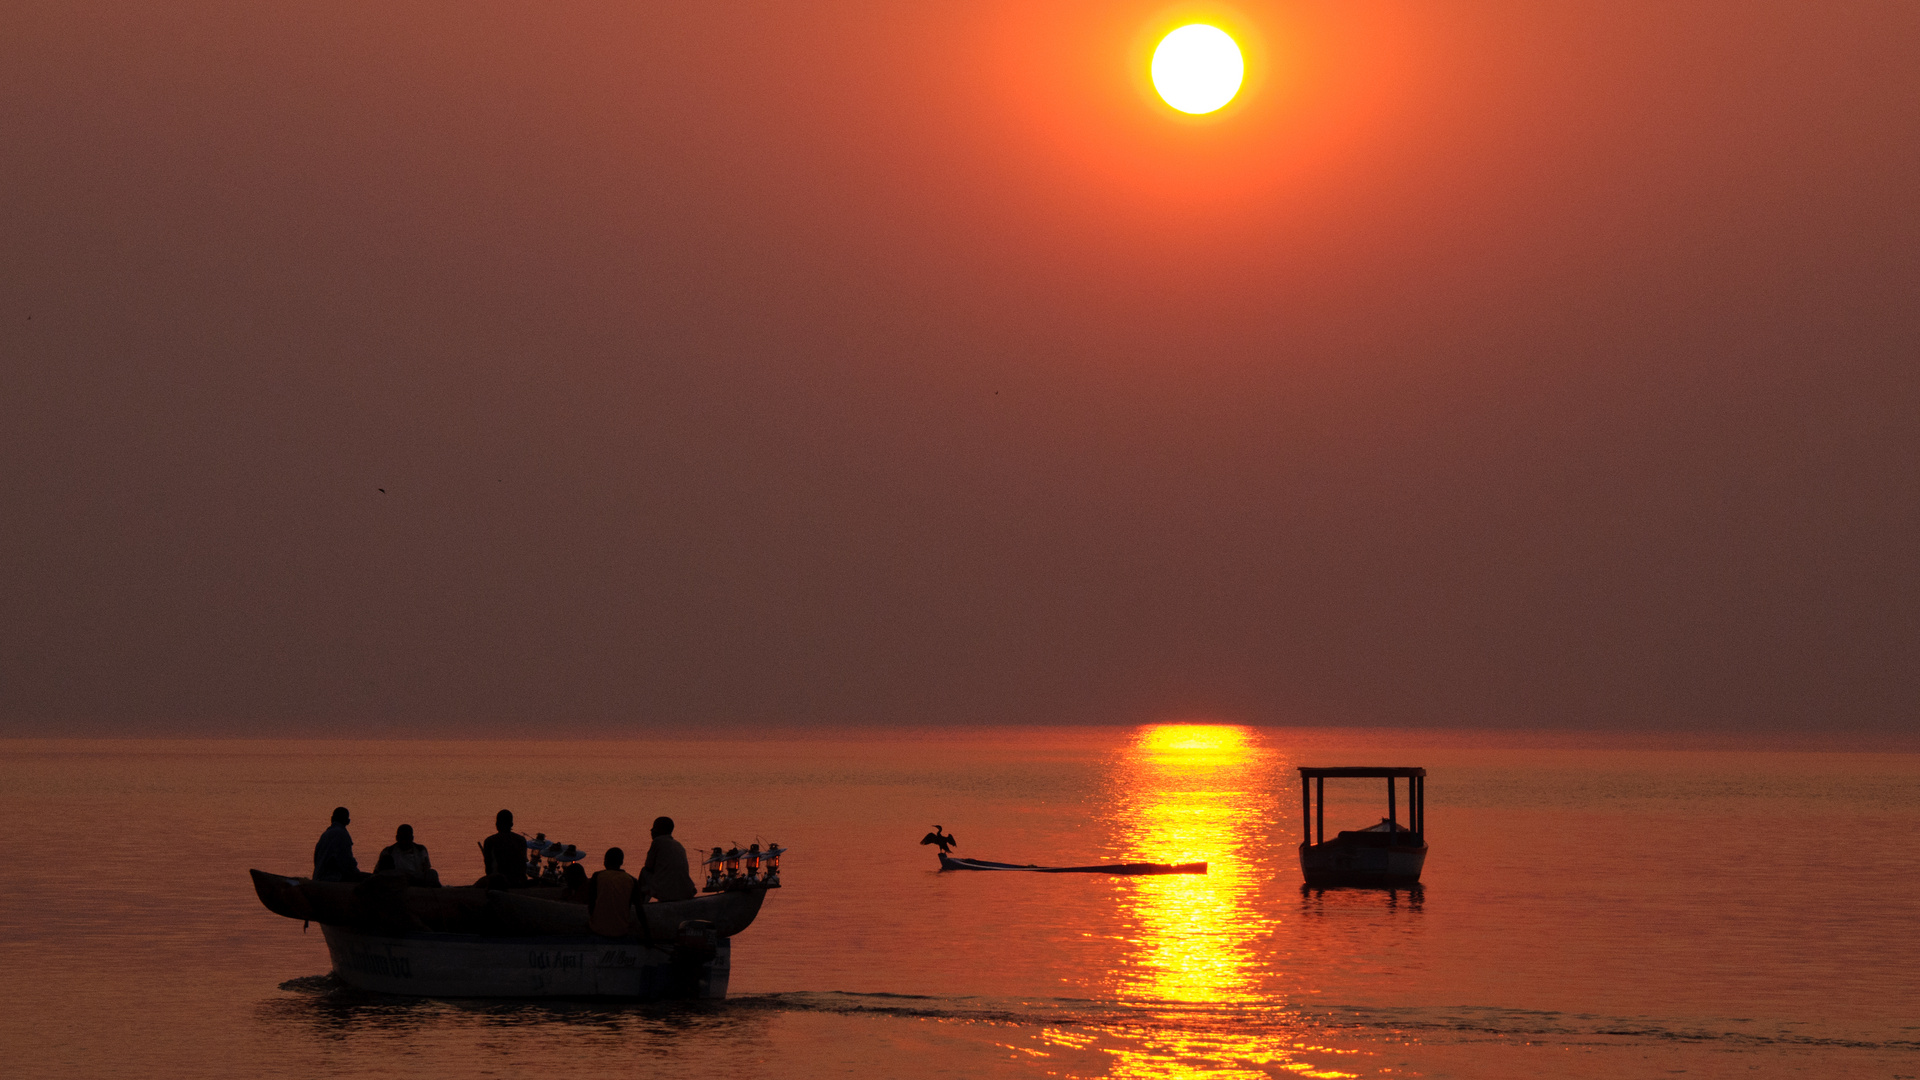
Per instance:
(407,859)
(666,875)
(610,897)
(333,855)
(505,854)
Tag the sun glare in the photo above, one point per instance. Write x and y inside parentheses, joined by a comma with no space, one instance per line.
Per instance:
(1198,68)
(1193,739)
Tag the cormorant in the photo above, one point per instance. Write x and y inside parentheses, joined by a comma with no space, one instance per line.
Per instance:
(945,840)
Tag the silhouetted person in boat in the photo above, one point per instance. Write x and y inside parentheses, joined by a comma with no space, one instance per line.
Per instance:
(945,840)
(665,875)
(573,885)
(406,859)
(505,853)
(333,855)
(610,897)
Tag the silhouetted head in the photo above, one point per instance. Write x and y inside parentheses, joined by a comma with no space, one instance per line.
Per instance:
(403,834)
(339,815)
(503,820)
(613,858)
(574,875)
(663,826)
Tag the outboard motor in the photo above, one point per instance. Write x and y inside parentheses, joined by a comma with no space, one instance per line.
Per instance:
(694,946)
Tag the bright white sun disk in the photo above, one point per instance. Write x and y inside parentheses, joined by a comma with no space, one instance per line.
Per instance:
(1198,68)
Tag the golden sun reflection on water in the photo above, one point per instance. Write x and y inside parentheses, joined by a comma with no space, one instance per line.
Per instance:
(1194,793)
(1195,955)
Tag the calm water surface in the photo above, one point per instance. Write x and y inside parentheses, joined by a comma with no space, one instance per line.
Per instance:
(1584,912)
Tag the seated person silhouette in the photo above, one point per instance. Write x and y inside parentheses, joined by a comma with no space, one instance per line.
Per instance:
(404,858)
(610,896)
(505,855)
(333,856)
(574,888)
(666,874)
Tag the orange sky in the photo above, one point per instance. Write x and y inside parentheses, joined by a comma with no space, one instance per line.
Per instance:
(1518,364)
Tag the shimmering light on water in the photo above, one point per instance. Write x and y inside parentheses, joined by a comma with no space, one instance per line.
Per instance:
(1193,793)
(1181,793)
(1184,793)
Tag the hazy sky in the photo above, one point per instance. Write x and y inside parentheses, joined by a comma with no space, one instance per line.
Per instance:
(1543,364)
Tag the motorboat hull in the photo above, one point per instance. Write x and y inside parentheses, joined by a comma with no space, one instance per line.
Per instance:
(1335,864)
(486,943)
(471,965)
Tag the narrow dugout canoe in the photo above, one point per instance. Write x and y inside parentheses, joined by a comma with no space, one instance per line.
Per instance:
(948,862)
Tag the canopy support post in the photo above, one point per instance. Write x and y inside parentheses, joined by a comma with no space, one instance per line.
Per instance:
(1420,805)
(1320,814)
(1306,810)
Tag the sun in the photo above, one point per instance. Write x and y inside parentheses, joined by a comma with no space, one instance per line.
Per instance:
(1198,68)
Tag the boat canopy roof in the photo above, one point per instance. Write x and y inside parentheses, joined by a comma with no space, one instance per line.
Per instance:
(1363,770)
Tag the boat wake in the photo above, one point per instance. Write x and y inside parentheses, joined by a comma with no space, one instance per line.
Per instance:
(1251,1019)
(1277,1020)
(1087,1037)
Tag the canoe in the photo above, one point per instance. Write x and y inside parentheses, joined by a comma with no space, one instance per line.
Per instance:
(386,936)
(948,862)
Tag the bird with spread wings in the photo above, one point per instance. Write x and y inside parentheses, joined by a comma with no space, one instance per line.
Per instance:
(944,839)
